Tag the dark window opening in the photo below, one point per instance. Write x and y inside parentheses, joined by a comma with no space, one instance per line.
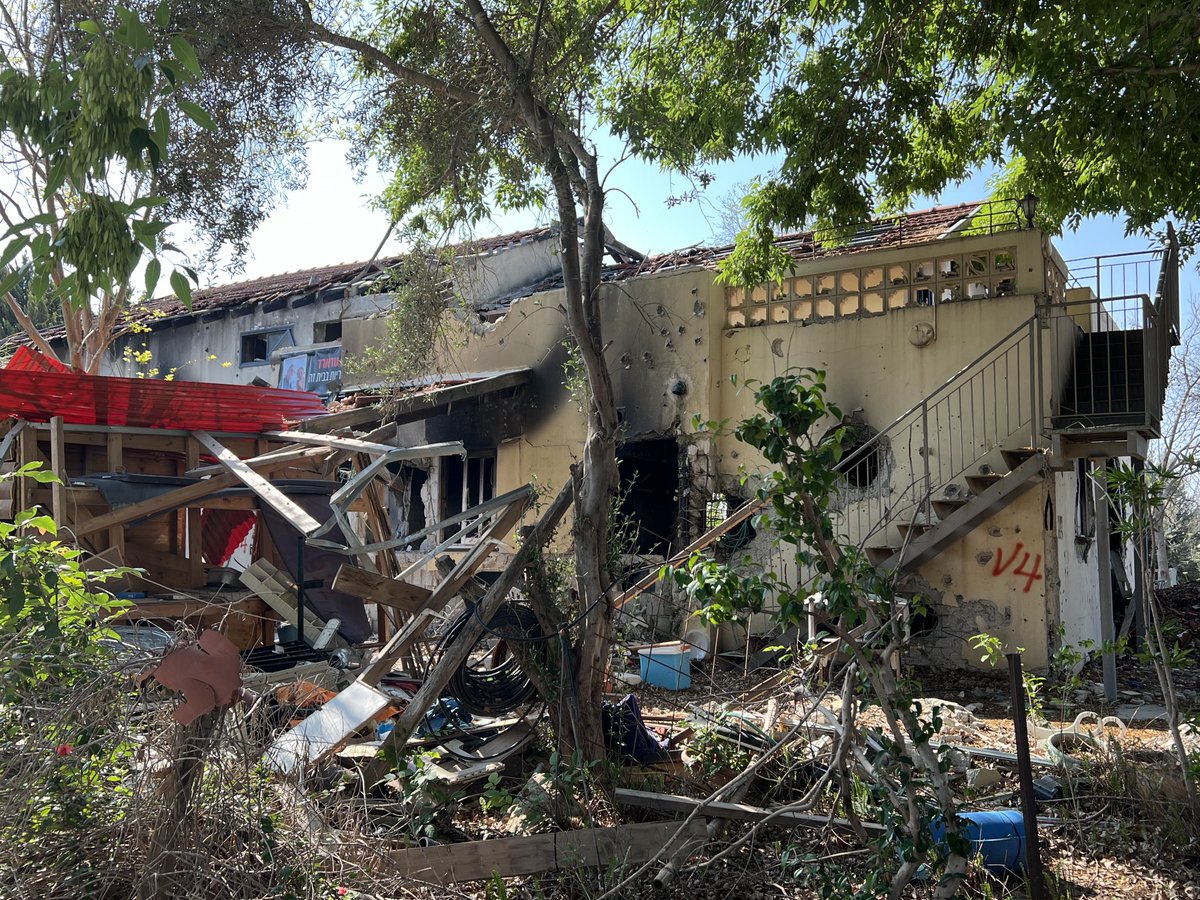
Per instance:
(324,332)
(921,621)
(1085,500)
(257,346)
(466,483)
(254,348)
(649,493)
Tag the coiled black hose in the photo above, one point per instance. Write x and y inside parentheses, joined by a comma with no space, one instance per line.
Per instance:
(496,684)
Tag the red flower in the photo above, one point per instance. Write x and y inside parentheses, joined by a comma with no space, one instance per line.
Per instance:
(63,750)
(342,892)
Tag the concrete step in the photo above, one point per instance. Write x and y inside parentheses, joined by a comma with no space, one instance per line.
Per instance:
(980,483)
(1017,455)
(910,531)
(944,508)
(879,555)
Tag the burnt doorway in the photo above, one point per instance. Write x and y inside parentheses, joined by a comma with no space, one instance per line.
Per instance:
(650,492)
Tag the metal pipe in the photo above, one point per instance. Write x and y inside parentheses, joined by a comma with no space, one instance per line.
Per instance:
(1033,850)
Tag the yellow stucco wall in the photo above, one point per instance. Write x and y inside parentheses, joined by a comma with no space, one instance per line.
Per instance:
(671,355)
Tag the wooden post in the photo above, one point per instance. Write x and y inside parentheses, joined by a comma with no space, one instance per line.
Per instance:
(1033,852)
(58,464)
(27,452)
(195,534)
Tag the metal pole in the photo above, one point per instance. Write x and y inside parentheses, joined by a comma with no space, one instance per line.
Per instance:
(1035,385)
(1033,851)
(300,588)
(1108,633)
(928,491)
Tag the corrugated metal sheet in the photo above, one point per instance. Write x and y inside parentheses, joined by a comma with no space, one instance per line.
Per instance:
(148,403)
(26,359)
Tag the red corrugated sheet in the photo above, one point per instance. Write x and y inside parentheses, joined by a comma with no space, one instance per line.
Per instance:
(26,359)
(148,403)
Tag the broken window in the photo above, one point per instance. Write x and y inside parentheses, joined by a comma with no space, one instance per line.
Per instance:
(466,483)
(716,511)
(257,346)
(861,459)
(408,507)
(327,332)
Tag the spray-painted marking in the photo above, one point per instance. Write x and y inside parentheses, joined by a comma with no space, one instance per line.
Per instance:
(1023,570)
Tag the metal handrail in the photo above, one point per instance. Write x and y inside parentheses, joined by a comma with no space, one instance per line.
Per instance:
(950,425)
(957,375)
(1004,390)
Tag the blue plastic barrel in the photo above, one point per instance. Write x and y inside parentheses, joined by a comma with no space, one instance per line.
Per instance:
(996,835)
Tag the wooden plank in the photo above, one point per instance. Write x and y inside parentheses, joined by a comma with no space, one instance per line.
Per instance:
(380,589)
(280,595)
(736,518)
(10,438)
(115,460)
(741,812)
(333,442)
(155,505)
(267,492)
(325,730)
(285,587)
(609,848)
(350,418)
(267,462)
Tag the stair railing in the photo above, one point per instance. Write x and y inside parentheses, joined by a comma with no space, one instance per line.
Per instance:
(891,479)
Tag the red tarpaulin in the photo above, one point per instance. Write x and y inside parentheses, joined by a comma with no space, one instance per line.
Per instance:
(35,391)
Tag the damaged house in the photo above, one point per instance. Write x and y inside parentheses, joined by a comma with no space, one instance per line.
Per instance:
(985,380)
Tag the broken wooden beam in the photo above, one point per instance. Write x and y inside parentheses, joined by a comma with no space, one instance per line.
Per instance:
(266,492)
(460,648)
(276,589)
(380,589)
(740,812)
(155,505)
(737,517)
(323,732)
(610,848)
(267,462)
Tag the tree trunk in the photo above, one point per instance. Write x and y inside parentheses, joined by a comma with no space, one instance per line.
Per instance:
(597,481)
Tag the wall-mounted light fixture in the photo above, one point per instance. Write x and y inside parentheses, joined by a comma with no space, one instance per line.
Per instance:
(1028,206)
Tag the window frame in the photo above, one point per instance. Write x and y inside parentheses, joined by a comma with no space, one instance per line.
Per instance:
(287,339)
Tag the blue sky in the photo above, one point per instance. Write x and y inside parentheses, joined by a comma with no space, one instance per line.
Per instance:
(331,221)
